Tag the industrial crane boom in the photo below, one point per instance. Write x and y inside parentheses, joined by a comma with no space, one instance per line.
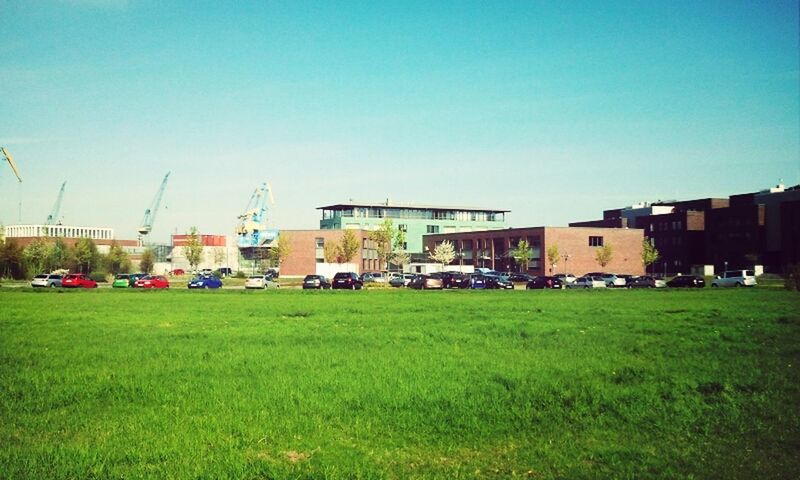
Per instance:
(11,162)
(150,213)
(53,217)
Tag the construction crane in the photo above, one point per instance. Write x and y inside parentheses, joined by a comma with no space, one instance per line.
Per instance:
(150,213)
(53,217)
(11,162)
(252,230)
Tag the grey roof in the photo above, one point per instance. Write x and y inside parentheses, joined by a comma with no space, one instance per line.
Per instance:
(339,206)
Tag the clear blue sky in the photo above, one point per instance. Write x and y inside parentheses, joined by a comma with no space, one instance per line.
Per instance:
(555,110)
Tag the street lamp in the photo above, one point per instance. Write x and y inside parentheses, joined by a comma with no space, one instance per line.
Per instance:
(566,258)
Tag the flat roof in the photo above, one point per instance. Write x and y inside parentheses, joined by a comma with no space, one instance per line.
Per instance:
(340,206)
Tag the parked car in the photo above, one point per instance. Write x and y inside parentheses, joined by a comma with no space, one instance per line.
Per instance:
(225,272)
(613,281)
(401,280)
(452,279)
(152,281)
(735,278)
(588,282)
(544,282)
(205,281)
(135,276)
(274,272)
(78,280)
(687,281)
(347,280)
(121,280)
(645,281)
(426,282)
(178,271)
(520,277)
(206,272)
(477,281)
(373,277)
(498,282)
(260,281)
(46,280)
(316,282)
(566,278)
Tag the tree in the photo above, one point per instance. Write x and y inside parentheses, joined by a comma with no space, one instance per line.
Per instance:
(522,254)
(444,253)
(401,259)
(37,255)
(330,252)
(86,254)
(147,261)
(117,259)
(60,255)
(383,238)
(604,254)
(552,256)
(399,255)
(193,250)
(650,254)
(281,250)
(348,247)
(219,256)
(11,264)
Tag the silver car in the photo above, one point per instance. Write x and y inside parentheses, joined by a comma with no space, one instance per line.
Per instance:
(735,278)
(260,281)
(588,282)
(45,280)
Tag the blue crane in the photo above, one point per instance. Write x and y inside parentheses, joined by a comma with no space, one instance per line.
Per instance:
(52,219)
(252,230)
(150,213)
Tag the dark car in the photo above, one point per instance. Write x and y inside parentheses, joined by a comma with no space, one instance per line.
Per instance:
(544,282)
(520,277)
(645,281)
(687,281)
(452,279)
(205,281)
(316,282)
(425,282)
(347,280)
(478,281)
(498,282)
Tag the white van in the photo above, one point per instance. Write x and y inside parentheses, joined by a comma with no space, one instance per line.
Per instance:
(735,278)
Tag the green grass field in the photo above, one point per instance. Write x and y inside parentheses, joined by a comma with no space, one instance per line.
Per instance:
(400,384)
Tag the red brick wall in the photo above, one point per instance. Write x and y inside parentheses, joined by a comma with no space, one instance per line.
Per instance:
(302,258)
(626,244)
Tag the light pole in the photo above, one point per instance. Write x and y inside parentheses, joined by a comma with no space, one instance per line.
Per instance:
(566,258)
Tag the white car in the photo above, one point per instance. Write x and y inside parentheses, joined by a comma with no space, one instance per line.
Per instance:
(45,280)
(260,281)
(613,281)
(588,282)
(735,278)
(566,278)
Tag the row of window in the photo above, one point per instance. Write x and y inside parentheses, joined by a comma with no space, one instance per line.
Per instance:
(413,213)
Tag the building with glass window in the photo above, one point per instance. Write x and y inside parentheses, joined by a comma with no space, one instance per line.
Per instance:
(415,220)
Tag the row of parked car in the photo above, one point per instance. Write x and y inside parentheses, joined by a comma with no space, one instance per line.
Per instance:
(489,279)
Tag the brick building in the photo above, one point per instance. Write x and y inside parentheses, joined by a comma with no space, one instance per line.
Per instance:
(307,251)
(577,248)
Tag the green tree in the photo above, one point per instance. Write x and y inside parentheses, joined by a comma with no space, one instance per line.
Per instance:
(193,250)
(552,257)
(117,259)
(399,255)
(279,252)
(60,256)
(37,255)
(522,254)
(86,255)
(11,263)
(348,247)
(604,254)
(330,252)
(383,238)
(650,254)
(148,260)
(444,253)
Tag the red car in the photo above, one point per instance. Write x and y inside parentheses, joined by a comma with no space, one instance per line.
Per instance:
(152,281)
(78,280)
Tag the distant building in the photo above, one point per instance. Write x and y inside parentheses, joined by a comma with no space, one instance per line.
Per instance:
(577,248)
(103,237)
(415,220)
(218,251)
(308,247)
(738,232)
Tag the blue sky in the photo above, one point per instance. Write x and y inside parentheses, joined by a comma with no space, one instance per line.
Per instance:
(554,110)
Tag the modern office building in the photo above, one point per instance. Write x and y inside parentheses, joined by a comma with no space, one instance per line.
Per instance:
(736,232)
(415,220)
(577,248)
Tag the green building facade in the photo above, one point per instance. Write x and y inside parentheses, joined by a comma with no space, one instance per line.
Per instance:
(415,220)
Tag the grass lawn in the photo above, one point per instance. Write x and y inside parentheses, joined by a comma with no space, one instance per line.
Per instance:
(400,384)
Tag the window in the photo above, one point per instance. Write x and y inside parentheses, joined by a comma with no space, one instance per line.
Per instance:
(433,228)
(402,227)
(595,241)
